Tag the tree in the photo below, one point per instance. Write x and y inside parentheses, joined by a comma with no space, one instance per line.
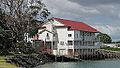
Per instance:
(19,16)
(5,35)
(5,41)
(104,38)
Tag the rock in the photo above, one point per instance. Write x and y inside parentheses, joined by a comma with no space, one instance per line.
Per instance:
(30,60)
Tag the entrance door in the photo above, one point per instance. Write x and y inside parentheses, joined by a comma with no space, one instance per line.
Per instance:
(70,52)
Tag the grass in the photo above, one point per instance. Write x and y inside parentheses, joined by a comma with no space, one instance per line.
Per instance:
(4,64)
(112,49)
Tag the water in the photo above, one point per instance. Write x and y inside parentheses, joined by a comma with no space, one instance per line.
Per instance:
(84,64)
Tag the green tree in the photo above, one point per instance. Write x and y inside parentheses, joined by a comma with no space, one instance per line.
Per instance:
(104,38)
(5,41)
(19,16)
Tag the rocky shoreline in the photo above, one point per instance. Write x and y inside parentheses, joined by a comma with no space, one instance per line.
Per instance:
(100,55)
(31,61)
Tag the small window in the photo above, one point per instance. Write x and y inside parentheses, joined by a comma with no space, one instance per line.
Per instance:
(69,35)
(81,33)
(77,35)
(80,42)
(75,42)
(53,42)
(90,34)
(70,43)
(48,37)
(61,42)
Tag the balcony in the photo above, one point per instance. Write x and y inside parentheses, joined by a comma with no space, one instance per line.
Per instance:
(70,46)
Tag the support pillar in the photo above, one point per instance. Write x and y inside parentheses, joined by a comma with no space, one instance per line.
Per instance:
(73,52)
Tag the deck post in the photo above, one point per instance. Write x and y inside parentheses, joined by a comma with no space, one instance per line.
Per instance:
(73,52)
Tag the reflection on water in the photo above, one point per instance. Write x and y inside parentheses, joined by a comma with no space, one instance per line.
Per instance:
(84,64)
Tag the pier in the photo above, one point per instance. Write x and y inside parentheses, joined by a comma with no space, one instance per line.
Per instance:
(101,54)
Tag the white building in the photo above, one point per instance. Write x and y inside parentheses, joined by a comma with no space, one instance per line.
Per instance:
(112,45)
(66,37)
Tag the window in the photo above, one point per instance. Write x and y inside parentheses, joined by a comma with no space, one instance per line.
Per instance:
(75,42)
(61,42)
(90,34)
(81,33)
(53,42)
(70,43)
(76,35)
(87,33)
(80,42)
(69,35)
(48,36)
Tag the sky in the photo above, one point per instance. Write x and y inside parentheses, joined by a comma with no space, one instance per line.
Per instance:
(104,15)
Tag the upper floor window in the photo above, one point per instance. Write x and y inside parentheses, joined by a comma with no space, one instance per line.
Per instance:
(69,35)
(48,37)
(77,35)
(70,42)
(90,34)
(75,42)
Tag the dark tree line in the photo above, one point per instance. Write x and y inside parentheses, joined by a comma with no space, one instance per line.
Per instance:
(104,38)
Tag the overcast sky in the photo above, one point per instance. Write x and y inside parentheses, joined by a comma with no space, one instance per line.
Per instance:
(104,15)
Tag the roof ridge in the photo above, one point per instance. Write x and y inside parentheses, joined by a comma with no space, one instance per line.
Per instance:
(76,25)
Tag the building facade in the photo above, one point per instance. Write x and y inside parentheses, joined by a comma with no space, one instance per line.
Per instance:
(70,38)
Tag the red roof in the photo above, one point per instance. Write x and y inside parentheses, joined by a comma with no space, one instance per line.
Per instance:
(74,25)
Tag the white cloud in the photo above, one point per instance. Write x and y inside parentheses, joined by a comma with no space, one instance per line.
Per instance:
(110,14)
(69,7)
(109,9)
(66,7)
(111,30)
(96,2)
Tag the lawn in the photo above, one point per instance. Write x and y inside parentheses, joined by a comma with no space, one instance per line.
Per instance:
(112,49)
(4,64)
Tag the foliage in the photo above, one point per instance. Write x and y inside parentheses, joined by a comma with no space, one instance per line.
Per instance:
(104,38)
(26,49)
(17,18)
(19,15)
(118,42)
(112,49)
(5,35)
(5,41)
(1,30)
(33,32)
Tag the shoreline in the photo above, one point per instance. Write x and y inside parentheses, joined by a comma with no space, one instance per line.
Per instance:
(83,64)
(34,60)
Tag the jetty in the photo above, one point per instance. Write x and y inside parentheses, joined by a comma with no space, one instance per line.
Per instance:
(101,54)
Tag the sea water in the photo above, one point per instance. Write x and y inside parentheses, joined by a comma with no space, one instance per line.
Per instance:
(84,64)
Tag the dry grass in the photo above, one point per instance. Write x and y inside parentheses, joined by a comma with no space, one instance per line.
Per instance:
(4,64)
